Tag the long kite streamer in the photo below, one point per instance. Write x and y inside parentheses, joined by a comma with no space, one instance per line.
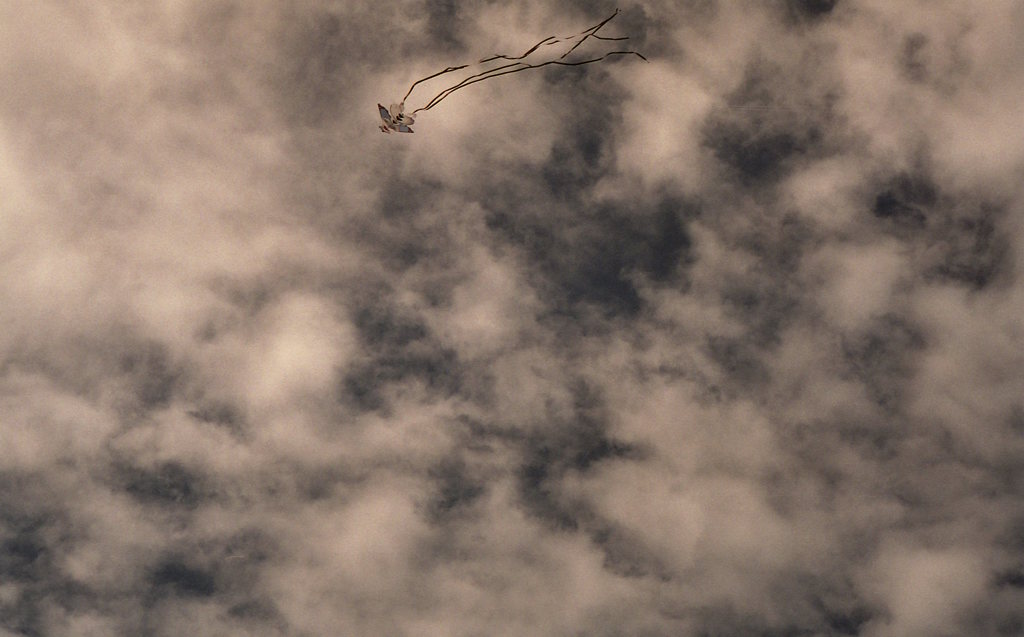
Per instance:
(396,119)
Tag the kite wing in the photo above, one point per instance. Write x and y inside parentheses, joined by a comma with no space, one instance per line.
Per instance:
(397,123)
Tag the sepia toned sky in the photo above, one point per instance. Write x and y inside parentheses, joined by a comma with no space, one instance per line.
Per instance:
(728,343)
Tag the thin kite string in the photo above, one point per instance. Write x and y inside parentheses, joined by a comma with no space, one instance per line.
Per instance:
(522,67)
(517,66)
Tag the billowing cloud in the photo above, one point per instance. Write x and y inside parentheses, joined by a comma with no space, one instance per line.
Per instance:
(725,343)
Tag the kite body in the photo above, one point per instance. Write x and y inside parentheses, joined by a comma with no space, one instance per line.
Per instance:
(394,119)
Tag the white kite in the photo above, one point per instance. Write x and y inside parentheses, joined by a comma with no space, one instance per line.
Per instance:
(394,119)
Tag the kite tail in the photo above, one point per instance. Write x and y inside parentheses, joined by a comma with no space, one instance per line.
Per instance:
(510,68)
(516,63)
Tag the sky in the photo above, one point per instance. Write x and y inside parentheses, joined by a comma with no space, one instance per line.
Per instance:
(724,343)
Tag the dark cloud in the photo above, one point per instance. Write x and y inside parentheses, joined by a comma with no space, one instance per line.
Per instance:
(575,442)
(177,578)
(402,350)
(456,489)
(222,414)
(811,8)
(913,59)
(959,228)
(444,25)
(906,201)
(151,373)
(592,255)
(977,253)
(760,133)
(168,485)
(23,555)
(739,360)
(882,357)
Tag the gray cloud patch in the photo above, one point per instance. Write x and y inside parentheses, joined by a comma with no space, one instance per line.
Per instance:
(443,23)
(167,485)
(760,133)
(591,254)
(175,577)
(403,350)
(906,200)
(811,8)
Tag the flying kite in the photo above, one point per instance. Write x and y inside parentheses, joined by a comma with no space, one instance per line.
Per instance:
(395,119)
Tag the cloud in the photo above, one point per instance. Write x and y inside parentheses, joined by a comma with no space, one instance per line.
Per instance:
(723,343)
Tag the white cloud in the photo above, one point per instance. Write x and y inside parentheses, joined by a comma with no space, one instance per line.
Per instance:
(925,591)
(265,369)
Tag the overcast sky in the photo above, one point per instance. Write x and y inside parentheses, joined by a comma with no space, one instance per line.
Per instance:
(728,343)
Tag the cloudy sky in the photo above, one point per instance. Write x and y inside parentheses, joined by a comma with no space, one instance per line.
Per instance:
(728,343)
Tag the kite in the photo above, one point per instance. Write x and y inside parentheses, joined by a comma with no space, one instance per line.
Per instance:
(395,119)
